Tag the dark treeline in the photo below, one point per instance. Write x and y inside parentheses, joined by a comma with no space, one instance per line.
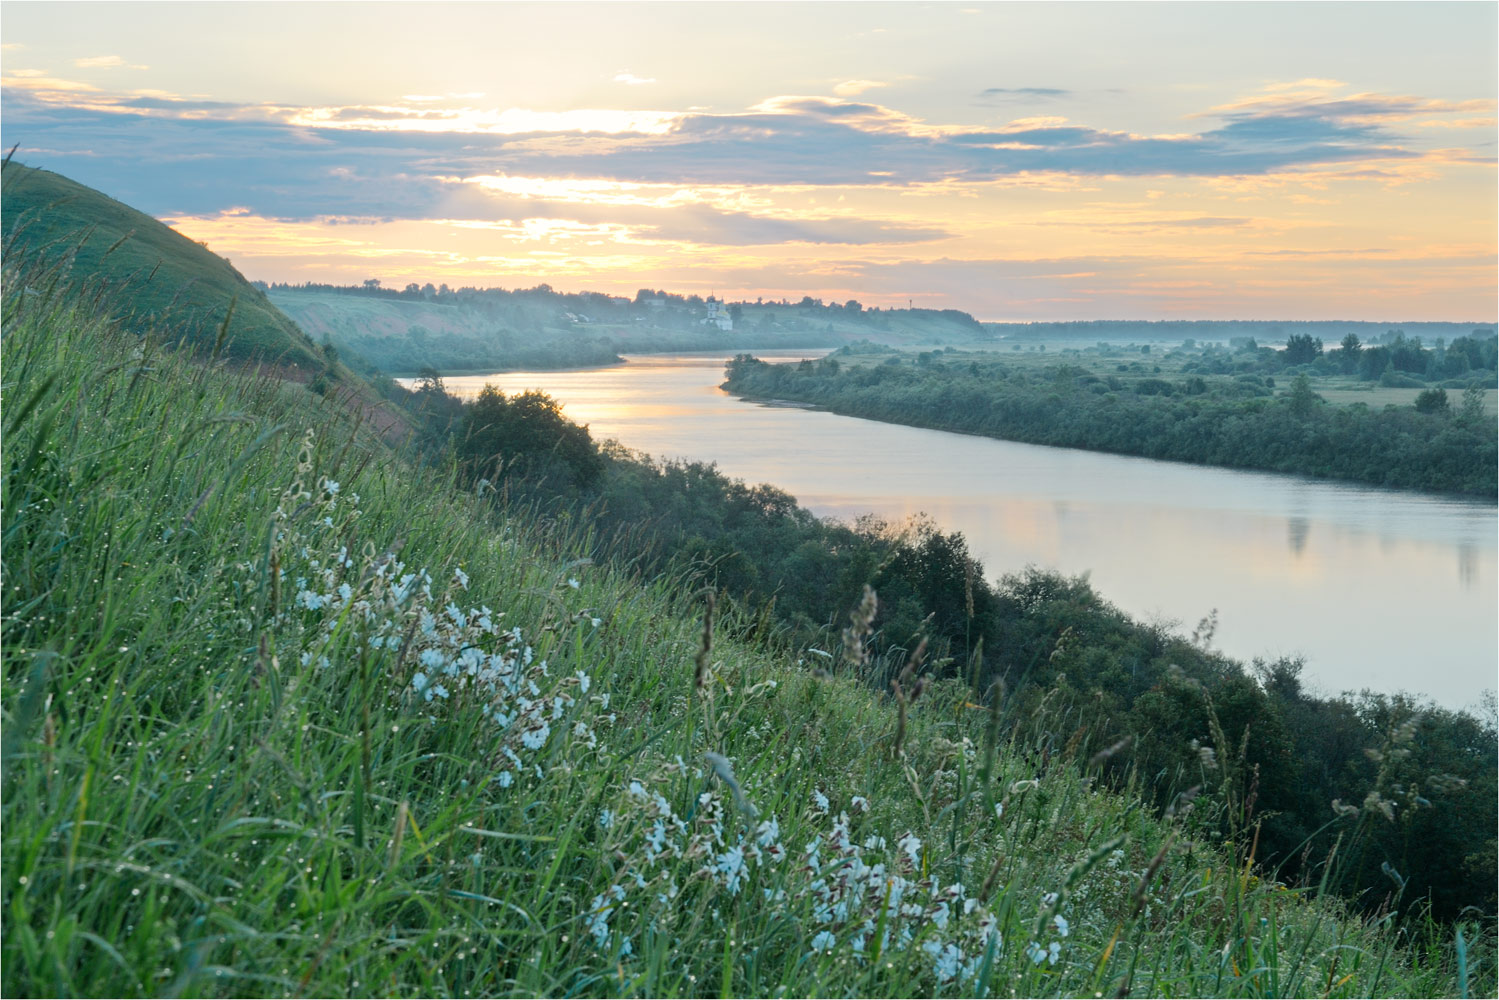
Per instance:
(1391,358)
(1267,755)
(1236,422)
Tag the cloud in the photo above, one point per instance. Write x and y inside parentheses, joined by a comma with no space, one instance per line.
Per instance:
(105,62)
(1487,123)
(632,80)
(1007,94)
(1196,222)
(170,154)
(478,121)
(680,216)
(1315,99)
(853,88)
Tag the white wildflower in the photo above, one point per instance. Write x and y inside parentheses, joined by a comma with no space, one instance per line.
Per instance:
(911,845)
(768,832)
(731,867)
(819,801)
(824,941)
(461,577)
(1061,925)
(535,739)
(655,841)
(947,960)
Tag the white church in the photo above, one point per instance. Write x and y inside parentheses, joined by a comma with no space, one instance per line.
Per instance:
(718,315)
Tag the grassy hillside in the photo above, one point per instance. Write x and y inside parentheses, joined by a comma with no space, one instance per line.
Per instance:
(404,335)
(284,716)
(153,274)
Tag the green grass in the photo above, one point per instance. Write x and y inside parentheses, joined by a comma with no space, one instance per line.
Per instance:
(1346,391)
(223,775)
(1340,390)
(153,274)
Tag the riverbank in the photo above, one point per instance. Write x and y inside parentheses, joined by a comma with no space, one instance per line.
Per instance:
(1331,572)
(1230,423)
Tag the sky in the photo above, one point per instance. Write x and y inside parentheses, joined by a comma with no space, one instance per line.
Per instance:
(1018,161)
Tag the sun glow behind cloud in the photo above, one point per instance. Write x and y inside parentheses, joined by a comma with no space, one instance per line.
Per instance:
(481,121)
(1318,193)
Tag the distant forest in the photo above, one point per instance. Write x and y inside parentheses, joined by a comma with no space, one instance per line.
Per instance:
(645,297)
(1231,329)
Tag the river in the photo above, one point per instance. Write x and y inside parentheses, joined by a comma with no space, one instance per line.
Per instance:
(1377,589)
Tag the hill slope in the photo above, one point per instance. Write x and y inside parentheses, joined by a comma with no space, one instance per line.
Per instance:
(494,329)
(285,716)
(154,273)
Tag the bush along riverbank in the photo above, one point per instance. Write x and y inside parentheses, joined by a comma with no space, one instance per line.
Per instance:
(1225,421)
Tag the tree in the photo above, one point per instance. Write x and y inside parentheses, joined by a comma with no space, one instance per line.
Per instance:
(1301,397)
(1348,352)
(1433,401)
(529,435)
(1472,410)
(372,284)
(1302,349)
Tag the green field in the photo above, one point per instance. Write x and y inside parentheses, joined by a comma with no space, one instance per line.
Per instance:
(1163,361)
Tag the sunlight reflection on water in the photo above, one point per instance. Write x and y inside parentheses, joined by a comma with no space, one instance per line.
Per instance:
(1378,589)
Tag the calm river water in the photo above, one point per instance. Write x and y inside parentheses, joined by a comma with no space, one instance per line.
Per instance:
(1377,589)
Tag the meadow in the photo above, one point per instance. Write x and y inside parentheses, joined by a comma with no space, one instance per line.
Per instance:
(286,714)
